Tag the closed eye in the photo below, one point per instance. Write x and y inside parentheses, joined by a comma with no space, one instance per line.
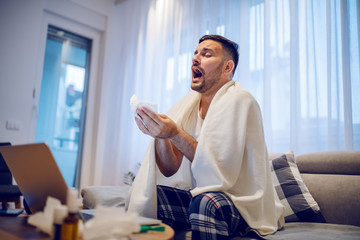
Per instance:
(207,52)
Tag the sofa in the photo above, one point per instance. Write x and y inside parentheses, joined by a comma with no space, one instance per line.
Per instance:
(327,207)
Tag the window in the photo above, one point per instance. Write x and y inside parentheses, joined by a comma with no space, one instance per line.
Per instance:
(63,97)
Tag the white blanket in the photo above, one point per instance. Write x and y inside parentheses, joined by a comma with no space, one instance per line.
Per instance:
(231,157)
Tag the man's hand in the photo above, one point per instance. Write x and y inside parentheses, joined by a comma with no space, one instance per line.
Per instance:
(171,142)
(156,125)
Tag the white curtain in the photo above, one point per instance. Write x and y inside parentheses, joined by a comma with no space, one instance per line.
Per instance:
(300,59)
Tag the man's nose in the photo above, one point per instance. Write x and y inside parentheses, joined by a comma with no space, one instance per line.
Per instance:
(196,60)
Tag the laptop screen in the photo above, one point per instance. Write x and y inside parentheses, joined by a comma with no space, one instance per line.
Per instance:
(36,173)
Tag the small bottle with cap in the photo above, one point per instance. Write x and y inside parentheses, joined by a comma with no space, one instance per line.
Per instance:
(60,213)
(69,228)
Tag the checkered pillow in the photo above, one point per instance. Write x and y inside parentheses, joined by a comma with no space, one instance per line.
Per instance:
(292,191)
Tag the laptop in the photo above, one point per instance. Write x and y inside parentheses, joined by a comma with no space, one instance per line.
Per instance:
(38,176)
(36,173)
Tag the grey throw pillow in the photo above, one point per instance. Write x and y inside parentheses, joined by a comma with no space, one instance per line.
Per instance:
(292,191)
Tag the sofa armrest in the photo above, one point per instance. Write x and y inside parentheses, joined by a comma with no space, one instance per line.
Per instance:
(113,196)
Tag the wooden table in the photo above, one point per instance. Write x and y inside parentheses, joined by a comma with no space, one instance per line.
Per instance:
(167,235)
(16,228)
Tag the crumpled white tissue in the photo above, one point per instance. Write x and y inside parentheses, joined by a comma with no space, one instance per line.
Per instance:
(136,103)
(110,223)
(44,220)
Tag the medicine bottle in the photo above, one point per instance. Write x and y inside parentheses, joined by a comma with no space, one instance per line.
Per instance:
(69,228)
(60,213)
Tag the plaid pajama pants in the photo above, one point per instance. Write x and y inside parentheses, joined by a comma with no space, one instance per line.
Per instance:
(210,215)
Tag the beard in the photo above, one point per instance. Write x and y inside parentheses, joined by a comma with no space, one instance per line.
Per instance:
(208,80)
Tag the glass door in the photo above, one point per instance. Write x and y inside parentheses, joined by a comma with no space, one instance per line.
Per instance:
(62,103)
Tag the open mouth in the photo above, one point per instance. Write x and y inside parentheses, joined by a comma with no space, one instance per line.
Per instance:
(196,73)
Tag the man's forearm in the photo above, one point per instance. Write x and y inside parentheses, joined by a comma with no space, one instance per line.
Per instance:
(185,143)
(169,152)
(168,157)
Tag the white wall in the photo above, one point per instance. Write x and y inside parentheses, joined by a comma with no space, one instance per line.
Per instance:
(20,28)
(21,55)
(22,45)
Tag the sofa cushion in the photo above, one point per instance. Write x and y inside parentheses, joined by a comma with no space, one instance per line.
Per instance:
(333,178)
(337,195)
(318,231)
(292,191)
(299,231)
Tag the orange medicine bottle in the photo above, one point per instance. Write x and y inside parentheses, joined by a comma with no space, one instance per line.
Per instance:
(69,228)
(60,213)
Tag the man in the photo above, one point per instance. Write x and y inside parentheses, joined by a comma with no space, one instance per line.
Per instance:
(207,167)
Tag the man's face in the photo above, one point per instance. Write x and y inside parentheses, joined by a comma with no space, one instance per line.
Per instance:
(207,66)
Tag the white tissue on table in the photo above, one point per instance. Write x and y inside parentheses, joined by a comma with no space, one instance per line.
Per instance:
(135,103)
(110,223)
(44,220)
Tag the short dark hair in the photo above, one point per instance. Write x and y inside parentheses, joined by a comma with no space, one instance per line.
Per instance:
(229,46)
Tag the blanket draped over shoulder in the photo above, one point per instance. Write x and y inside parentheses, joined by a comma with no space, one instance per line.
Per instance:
(231,157)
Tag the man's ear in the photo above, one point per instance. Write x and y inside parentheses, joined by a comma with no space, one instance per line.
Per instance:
(229,66)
